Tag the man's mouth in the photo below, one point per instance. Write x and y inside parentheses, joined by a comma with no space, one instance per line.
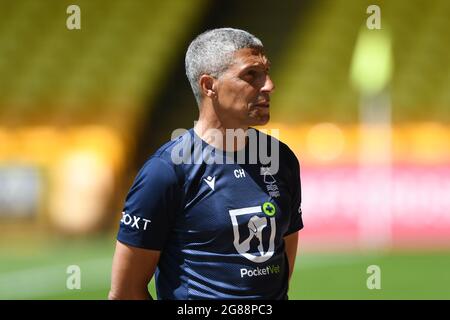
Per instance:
(262,105)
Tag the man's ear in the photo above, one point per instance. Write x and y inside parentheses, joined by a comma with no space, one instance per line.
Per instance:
(207,85)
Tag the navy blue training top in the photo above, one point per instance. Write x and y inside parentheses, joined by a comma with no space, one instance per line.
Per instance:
(218,224)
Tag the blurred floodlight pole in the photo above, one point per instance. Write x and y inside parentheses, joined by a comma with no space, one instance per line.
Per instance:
(371,71)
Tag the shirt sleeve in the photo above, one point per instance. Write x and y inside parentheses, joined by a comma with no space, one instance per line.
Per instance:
(150,206)
(296,221)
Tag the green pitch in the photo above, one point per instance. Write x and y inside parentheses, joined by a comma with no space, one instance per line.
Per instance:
(38,270)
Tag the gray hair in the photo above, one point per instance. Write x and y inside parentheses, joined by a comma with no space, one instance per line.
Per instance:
(212,53)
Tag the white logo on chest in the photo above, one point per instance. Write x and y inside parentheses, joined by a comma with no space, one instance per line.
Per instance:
(256,226)
(270,182)
(210,181)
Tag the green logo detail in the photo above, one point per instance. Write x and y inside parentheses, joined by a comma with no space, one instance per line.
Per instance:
(269,209)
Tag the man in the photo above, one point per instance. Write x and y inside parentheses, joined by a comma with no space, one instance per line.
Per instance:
(214,230)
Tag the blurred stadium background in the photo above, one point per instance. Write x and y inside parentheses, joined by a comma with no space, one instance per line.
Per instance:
(366,111)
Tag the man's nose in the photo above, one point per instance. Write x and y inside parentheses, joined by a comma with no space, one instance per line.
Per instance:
(268,87)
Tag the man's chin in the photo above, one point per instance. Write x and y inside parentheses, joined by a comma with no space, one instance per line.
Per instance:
(260,121)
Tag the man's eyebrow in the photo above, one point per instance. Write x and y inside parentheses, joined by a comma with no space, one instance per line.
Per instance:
(256,65)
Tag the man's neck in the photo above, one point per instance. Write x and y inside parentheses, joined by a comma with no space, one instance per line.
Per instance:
(221,136)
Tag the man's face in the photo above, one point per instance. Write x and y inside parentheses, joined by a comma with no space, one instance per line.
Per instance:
(243,90)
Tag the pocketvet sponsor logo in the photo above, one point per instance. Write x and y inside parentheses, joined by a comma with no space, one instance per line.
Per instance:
(135,222)
(257,227)
(257,272)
